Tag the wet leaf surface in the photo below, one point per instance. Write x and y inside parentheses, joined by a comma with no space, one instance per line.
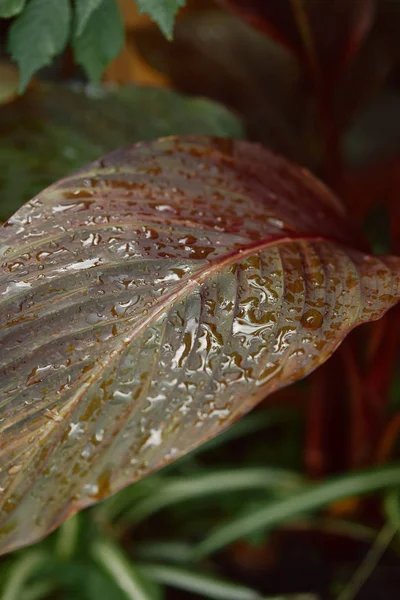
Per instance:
(53,130)
(151,299)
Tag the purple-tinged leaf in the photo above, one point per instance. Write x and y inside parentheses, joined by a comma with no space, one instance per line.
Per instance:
(151,299)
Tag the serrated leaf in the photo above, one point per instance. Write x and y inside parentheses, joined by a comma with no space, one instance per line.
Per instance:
(83,10)
(151,299)
(53,129)
(100,41)
(11,8)
(38,34)
(163,12)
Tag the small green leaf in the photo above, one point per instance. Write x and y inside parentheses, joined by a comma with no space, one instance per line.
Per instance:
(11,8)
(100,41)
(163,12)
(83,11)
(38,34)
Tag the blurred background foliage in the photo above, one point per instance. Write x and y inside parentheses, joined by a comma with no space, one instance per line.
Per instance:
(299,500)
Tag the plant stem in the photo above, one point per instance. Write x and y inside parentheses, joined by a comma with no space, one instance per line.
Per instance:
(323,94)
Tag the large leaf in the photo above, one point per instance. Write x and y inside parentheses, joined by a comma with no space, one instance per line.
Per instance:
(151,299)
(216,54)
(53,130)
(329,33)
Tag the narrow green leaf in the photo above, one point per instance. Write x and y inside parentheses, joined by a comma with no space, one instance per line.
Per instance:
(96,584)
(120,569)
(20,573)
(67,538)
(313,498)
(369,563)
(83,11)
(163,12)
(392,508)
(196,583)
(225,481)
(39,590)
(100,41)
(173,551)
(11,8)
(38,34)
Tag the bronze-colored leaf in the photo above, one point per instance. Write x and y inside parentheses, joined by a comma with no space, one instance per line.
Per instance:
(54,129)
(333,31)
(151,299)
(218,55)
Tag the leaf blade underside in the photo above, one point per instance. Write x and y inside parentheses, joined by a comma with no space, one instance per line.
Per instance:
(151,299)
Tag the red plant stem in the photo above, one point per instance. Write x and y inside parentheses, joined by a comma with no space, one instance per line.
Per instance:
(314,456)
(383,364)
(333,163)
(358,426)
(388,439)
(324,95)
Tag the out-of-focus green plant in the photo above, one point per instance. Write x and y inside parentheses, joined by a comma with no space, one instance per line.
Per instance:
(41,30)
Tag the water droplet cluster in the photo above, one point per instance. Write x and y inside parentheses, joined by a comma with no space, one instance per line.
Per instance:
(149,300)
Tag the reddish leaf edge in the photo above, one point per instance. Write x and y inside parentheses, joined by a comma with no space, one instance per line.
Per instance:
(392,261)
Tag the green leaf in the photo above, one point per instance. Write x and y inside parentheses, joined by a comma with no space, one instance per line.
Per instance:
(198,583)
(163,12)
(38,34)
(20,572)
(121,570)
(100,41)
(83,10)
(307,500)
(53,130)
(67,538)
(11,8)
(229,481)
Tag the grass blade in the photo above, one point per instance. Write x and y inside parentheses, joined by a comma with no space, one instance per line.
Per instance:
(20,573)
(392,509)
(120,569)
(306,500)
(205,585)
(67,538)
(208,484)
(369,564)
(39,590)
(170,551)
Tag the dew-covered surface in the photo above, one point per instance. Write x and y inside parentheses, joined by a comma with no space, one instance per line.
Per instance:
(149,300)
